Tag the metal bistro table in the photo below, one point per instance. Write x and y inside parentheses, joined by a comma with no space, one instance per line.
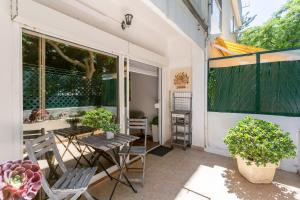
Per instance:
(107,149)
(71,134)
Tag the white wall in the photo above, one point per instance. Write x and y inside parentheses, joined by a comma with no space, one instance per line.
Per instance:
(182,54)
(38,17)
(178,13)
(198,89)
(144,94)
(220,123)
(227,16)
(10,82)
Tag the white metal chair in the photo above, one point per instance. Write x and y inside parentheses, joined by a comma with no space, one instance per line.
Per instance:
(73,183)
(140,151)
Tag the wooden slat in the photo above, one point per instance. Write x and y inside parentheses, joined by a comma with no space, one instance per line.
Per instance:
(75,179)
(100,142)
(42,145)
(43,151)
(42,138)
(137,127)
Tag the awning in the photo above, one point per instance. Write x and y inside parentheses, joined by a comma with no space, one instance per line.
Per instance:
(222,48)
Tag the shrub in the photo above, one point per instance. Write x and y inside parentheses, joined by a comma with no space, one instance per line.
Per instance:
(259,142)
(97,118)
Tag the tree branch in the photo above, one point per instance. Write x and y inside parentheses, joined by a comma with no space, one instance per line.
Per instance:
(88,67)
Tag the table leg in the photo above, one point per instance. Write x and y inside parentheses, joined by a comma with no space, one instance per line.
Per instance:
(77,146)
(121,167)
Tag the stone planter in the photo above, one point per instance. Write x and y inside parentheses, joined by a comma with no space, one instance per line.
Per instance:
(109,135)
(256,174)
(155,133)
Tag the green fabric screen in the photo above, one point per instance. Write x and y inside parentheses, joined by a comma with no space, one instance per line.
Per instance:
(267,88)
(67,89)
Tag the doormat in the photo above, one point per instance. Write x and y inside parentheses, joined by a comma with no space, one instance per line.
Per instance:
(161,151)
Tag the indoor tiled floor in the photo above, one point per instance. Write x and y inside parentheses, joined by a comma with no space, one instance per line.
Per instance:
(197,175)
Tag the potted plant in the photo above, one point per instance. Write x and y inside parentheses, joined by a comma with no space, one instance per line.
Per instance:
(259,146)
(102,119)
(154,127)
(111,129)
(73,121)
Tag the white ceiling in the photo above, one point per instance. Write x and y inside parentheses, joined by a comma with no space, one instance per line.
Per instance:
(148,30)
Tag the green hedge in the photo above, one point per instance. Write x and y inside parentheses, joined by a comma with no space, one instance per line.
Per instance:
(269,88)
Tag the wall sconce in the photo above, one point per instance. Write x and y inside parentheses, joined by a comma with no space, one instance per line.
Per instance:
(127,22)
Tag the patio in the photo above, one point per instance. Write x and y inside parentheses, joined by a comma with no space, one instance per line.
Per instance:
(198,175)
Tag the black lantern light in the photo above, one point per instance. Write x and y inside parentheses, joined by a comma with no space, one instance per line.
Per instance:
(127,22)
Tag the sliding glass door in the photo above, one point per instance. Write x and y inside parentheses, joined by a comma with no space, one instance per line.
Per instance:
(62,80)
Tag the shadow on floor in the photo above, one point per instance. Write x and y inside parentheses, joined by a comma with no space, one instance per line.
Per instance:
(245,190)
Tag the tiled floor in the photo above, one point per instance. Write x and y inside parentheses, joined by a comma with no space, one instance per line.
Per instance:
(197,175)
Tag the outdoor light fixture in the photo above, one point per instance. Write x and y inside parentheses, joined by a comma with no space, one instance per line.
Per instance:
(127,22)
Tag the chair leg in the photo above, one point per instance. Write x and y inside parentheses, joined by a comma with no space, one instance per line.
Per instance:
(88,196)
(143,158)
(77,195)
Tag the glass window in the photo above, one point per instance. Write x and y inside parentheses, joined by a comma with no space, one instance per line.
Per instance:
(216,17)
(30,73)
(62,80)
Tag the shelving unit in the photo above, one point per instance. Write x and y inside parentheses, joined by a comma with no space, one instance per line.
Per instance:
(181,120)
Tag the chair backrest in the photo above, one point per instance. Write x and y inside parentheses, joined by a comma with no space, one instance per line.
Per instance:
(36,148)
(33,134)
(140,124)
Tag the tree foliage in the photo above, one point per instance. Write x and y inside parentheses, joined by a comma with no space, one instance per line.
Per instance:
(281,31)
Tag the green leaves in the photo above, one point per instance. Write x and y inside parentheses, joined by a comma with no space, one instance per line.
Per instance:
(281,31)
(97,118)
(259,141)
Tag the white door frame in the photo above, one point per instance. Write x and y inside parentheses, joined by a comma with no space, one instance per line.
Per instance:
(125,115)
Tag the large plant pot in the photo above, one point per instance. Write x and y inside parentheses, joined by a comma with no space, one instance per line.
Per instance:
(255,174)
(155,133)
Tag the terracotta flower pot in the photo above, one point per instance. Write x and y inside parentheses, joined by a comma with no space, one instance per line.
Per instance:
(256,174)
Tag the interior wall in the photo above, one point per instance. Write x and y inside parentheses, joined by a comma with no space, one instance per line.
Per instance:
(220,123)
(10,82)
(144,94)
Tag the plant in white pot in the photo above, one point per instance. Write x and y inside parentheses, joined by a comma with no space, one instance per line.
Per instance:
(154,128)
(110,130)
(259,146)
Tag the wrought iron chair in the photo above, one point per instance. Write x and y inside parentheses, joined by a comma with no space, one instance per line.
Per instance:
(73,183)
(140,151)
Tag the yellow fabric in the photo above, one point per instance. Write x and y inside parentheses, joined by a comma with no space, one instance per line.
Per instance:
(230,48)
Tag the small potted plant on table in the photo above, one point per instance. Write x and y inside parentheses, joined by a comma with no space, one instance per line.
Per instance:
(110,130)
(258,147)
(101,119)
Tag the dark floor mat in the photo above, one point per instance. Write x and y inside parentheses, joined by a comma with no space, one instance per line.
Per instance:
(160,151)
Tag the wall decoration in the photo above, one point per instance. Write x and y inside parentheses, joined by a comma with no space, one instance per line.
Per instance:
(181,79)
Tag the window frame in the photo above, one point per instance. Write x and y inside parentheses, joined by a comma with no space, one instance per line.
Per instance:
(42,64)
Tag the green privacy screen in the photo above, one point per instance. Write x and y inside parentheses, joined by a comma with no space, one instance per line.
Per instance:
(65,88)
(266,88)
